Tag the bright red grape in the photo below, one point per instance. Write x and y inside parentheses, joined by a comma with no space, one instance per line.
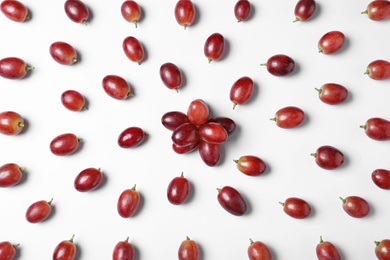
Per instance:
(382,249)
(242,10)
(227,123)
(213,133)
(173,119)
(11,123)
(185,134)
(77,11)
(355,206)
(251,165)
(188,250)
(73,100)
(14,10)
(328,157)
(214,47)
(13,68)
(296,208)
(128,202)
(381,178)
(185,13)
(38,211)
(377,128)
(332,93)
(133,49)
(64,144)
(131,137)
(289,117)
(210,153)
(178,190)
(10,174)
(117,87)
(131,11)
(123,250)
(171,75)
(241,91)
(7,250)
(65,250)
(257,250)
(88,179)
(198,112)
(378,10)
(304,10)
(232,201)
(63,53)
(280,65)
(325,250)
(331,42)
(378,69)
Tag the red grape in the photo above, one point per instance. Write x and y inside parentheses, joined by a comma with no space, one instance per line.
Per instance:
(185,13)
(289,117)
(296,208)
(11,123)
(10,174)
(123,250)
(171,75)
(378,69)
(131,137)
(258,251)
(232,201)
(198,112)
(76,11)
(13,68)
(251,165)
(14,10)
(188,250)
(304,10)
(280,65)
(88,179)
(241,91)
(355,206)
(117,87)
(131,11)
(381,178)
(7,250)
(178,190)
(185,134)
(382,249)
(183,149)
(128,202)
(242,10)
(378,10)
(73,100)
(65,250)
(133,49)
(325,250)
(213,133)
(63,53)
(331,42)
(227,123)
(210,153)
(38,211)
(214,47)
(64,144)
(173,119)
(377,128)
(332,93)
(328,157)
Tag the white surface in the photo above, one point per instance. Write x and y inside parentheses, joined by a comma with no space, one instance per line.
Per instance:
(159,227)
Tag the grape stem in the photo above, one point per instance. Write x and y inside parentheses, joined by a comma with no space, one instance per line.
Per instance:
(365,12)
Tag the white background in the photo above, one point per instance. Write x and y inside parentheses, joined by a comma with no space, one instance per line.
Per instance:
(159,227)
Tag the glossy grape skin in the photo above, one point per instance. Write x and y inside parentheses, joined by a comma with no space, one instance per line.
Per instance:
(10,174)
(173,119)
(14,10)
(355,206)
(131,137)
(227,123)
(331,42)
(242,10)
(382,249)
(296,208)
(378,10)
(257,250)
(198,112)
(304,10)
(325,250)
(332,93)
(76,11)
(133,49)
(280,65)
(328,157)
(73,100)
(171,75)
(88,179)
(378,70)
(117,87)
(185,134)
(185,13)
(131,11)
(183,149)
(241,91)
(210,153)
(178,190)
(232,201)
(128,202)
(7,250)
(123,250)
(251,165)
(289,117)
(188,250)
(38,211)
(213,133)
(65,250)
(11,123)
(214,47)
(381,178)
(63,53)
(64,144)
(13,68)
(377,128)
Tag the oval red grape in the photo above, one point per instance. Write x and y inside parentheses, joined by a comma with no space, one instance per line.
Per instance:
(328,157)
(198,112)
(257,250)
(65,250)
(123,250)
(178,190)
(377,128)
(331,42)
(251,165)
(188,250)
(242,10)
(214,47)
(63,53)
(280,65)
(378,10)
(378,69)
(289,117)
(173,119)
(14,10)
(117,87)
(185,134)
(382,249)
(185,13)
(88,179)
(131,11)
(76,11)
(11,123)
(171,75)
(241,91)
(7,250)
(226,122)
(325,250)
(73,100)
(332,93)
(128,202)
(304,10)
(381,178)
(13,68)
(296,208)
(356,206)
(133,49)
(213,133)
(232,201)
(64,144)
(10,174)
(210,153)
(38,211)
(131,137)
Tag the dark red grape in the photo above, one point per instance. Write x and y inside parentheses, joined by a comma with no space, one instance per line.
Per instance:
(289,117)
(188,250)
(214,47)
(382,249)
(304,10)
(183,149)
(117,87)
(331,42)
(63,53)
(88,179)
(173,119)
(280,65)
(185,13)
(355,206)
(131,11)
(378,69)
(332,93)
(7,250)
(128,202)
(73,100)
(11,123)
(133,49)
(381,178)
(13,68)
(227,123)
(210,153)
(258,251)
(242,10)
(64,144)
(171,75)
(198,112)
(14,10)
(123,250)
(76,11)
(378,10)
(178,190)
(241,91)
(185,134)
(251,165)
(325,250)
(377,128)
(131,137)
(10,174)
(328,157)
(38,211)
(213,133)
(65,250)
(232,201)
(296,208)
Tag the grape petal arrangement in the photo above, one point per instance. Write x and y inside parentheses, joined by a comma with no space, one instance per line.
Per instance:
(193,130)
